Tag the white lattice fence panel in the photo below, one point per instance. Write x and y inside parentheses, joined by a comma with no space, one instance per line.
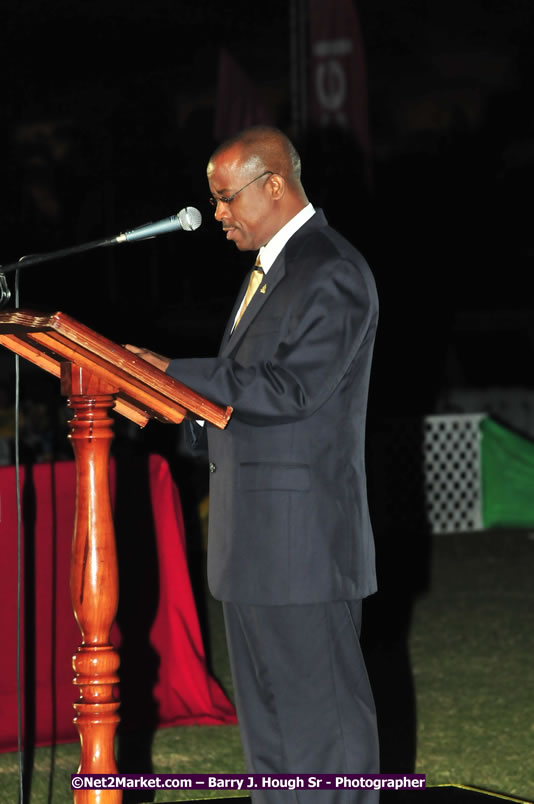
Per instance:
(426,474)
(452,472)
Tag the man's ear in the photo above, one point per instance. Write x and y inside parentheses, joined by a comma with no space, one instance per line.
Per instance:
(277,184)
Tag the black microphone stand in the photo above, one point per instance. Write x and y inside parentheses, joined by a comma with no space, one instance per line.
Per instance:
(187,219)
(36,259)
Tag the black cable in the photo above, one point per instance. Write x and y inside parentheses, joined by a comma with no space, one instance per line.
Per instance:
(19,561)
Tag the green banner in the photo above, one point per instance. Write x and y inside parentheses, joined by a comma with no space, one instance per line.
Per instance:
(507,477)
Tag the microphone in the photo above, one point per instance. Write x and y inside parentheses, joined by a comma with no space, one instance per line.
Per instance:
(188,219)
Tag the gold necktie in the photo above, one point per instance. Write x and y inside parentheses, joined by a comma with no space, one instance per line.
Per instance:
(253,284)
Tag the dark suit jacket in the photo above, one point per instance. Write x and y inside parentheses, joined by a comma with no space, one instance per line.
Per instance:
(289,521)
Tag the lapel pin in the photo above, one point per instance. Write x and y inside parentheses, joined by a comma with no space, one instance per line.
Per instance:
(263,289)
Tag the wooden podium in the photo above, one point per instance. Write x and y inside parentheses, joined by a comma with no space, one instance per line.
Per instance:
(96,376)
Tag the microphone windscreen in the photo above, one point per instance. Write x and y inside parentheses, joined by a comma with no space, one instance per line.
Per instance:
(190,219)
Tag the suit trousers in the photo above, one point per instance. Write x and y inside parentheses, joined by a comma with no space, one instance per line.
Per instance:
(303,698)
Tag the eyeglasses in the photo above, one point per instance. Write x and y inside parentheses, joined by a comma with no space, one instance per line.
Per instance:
(227,199)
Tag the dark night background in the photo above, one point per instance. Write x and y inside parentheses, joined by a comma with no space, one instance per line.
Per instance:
(107,122)
(108,114)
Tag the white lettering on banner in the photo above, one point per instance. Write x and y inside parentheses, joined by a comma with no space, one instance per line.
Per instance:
(332,47)
(330,79)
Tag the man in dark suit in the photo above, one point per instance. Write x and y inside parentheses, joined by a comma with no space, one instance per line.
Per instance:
(291,551)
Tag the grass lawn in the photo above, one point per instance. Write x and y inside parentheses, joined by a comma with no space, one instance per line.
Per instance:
(471,649)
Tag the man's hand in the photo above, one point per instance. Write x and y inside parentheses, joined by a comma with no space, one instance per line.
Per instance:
(151,357)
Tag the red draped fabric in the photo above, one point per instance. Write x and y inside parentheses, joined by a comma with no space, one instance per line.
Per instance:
(158,627)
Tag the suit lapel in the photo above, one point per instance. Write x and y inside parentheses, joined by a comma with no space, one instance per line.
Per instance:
(275,275)
(231,319)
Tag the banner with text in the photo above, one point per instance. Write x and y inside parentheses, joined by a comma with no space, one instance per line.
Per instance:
(239,103)
(338,76)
